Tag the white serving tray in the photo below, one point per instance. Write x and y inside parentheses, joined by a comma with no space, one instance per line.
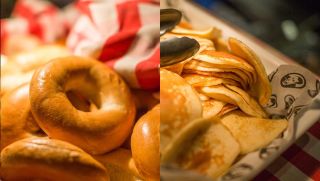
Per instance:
(271,58)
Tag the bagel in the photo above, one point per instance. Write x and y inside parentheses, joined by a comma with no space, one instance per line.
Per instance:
(145,142)
(120,165)
(18,68)
(97,131)
(7,67)
(20,43)
(8,83)
(30,60)
(48,159)
(17,121)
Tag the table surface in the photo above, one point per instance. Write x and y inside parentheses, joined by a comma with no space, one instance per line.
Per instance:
(301,161)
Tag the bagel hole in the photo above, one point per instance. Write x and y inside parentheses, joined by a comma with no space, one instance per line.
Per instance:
(81,102)
(81,88)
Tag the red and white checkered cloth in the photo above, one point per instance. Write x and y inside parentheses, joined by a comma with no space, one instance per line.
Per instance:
(36,17)
(299,162)
(122,33)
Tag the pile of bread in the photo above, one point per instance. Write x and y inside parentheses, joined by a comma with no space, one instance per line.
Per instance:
(65,117)
(212,104)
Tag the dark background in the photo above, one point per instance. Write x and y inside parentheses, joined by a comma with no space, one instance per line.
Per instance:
(290,26)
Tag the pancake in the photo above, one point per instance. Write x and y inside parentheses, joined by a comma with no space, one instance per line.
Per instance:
(248,99)
(212,107)
(224,60)
(262,89)
(204,146)
(252,133)
(197,80)
(224,75)
(205,66)
(179,105)
(222,93)
(227,108)
(210,33)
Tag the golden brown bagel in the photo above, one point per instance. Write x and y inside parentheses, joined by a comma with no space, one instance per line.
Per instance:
(7,67)
(46,159)
(97,131)
(19,43)
(145,142)
(30,60)
(120,165)
(17,121)
(18,68)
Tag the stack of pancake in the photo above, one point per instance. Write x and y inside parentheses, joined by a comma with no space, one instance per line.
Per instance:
(217,97)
